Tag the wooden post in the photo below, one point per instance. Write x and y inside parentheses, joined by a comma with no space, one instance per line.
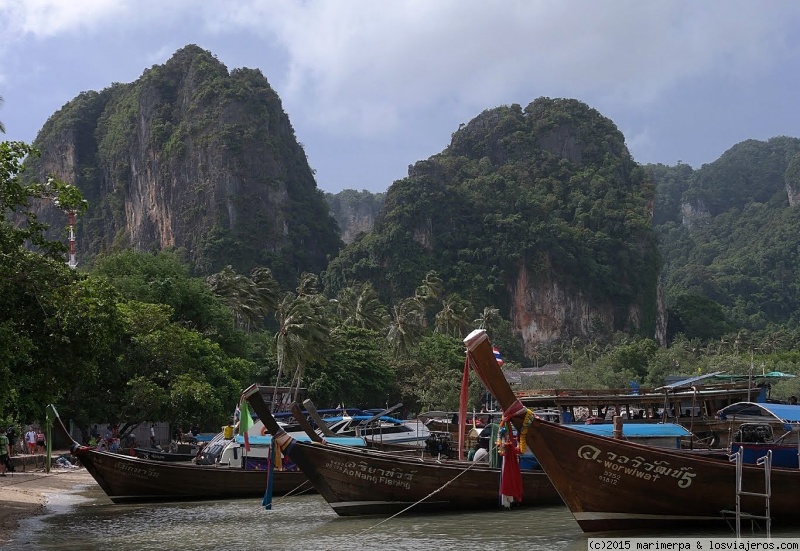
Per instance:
(617,433)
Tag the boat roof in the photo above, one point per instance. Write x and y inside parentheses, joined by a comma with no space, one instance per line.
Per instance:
(787,414)
(684,383)
(336,419)
(322,413)
(266,440)
(770,375)
(636,430)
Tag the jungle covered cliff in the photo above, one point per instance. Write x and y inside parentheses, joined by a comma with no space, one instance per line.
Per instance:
(540,211)
(193,157)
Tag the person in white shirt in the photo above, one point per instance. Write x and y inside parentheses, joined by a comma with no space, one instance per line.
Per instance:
(30,440)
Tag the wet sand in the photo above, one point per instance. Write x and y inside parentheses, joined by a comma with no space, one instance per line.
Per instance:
(24,494)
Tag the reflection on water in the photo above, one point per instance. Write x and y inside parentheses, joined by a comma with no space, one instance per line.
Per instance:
(88,520)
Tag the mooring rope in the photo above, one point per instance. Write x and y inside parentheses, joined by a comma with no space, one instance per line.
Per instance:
(296,489)
(437,490)
(31,476)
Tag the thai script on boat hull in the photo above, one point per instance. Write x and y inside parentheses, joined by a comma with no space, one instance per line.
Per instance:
(617,466)
(390,477)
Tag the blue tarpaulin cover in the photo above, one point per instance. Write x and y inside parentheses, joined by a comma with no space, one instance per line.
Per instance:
(785,413)
(636,430)
(340,440)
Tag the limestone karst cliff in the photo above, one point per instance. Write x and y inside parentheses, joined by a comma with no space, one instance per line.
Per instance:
(194,157)
(539,211)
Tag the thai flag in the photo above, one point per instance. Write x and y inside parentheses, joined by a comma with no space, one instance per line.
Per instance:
(497,356)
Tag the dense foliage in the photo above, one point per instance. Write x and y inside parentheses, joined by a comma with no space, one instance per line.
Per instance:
(729,235)
(192,156)
(550,187)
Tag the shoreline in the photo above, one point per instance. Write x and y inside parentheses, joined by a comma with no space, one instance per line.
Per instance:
(24,494)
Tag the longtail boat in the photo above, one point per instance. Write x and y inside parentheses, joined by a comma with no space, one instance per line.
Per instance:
(613,484)
(125,478)
(371,482)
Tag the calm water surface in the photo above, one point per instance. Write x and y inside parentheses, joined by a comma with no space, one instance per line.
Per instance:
(87,520)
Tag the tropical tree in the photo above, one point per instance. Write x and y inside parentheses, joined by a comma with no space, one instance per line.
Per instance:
(163,278)
(455,317)
(361,307)
(356,371)
(488,318)
(2,128)
(430,292)
(406,326)
(250,299)
(302,336)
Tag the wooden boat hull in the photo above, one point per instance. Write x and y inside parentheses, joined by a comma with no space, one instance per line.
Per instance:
(612,484)
(356,481)
(131,479)
(362,482)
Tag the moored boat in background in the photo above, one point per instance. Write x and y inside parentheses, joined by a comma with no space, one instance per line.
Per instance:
(126,478)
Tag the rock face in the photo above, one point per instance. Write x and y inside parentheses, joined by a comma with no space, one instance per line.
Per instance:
(355,211)
(192,157)
(538,211)
(544,310)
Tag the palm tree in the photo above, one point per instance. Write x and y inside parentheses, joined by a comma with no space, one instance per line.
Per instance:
(307,285)
(430,292)
(240,294)
(266,287)
(2,128)
(488,318)
(454,317)
(405,327)
(360,307)
(302,335)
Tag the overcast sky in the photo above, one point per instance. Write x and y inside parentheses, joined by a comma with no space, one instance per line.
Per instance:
(374,86)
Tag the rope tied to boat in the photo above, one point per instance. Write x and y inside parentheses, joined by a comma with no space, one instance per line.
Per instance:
(436,491)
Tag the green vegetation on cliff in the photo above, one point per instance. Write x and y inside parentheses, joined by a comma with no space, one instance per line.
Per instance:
(551,188)
(729,235)
(192,157)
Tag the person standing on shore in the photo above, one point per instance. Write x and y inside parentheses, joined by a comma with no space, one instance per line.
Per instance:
(4,451)
(30,440)
(40,441)
(11,434)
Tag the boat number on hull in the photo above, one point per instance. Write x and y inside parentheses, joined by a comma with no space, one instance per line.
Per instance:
(389,477)
(131,471)
(616,466)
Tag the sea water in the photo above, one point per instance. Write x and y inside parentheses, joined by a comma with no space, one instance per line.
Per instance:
(87,520)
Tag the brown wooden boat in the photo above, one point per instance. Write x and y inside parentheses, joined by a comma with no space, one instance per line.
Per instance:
(613,484)
(369,482)
(126,478)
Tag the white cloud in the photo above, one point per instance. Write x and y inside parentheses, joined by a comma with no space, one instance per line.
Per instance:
(352,60)
(48,18)
(363,66)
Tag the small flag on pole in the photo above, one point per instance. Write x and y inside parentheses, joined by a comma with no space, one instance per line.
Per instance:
(497,356)
(245,422)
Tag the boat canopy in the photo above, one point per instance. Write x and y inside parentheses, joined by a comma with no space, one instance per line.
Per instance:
(636,430)
(689,382)
(787,414)
(266,440)
(361,418)
(758,377)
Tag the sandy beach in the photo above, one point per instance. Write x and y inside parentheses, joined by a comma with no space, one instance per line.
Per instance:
(24,493)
